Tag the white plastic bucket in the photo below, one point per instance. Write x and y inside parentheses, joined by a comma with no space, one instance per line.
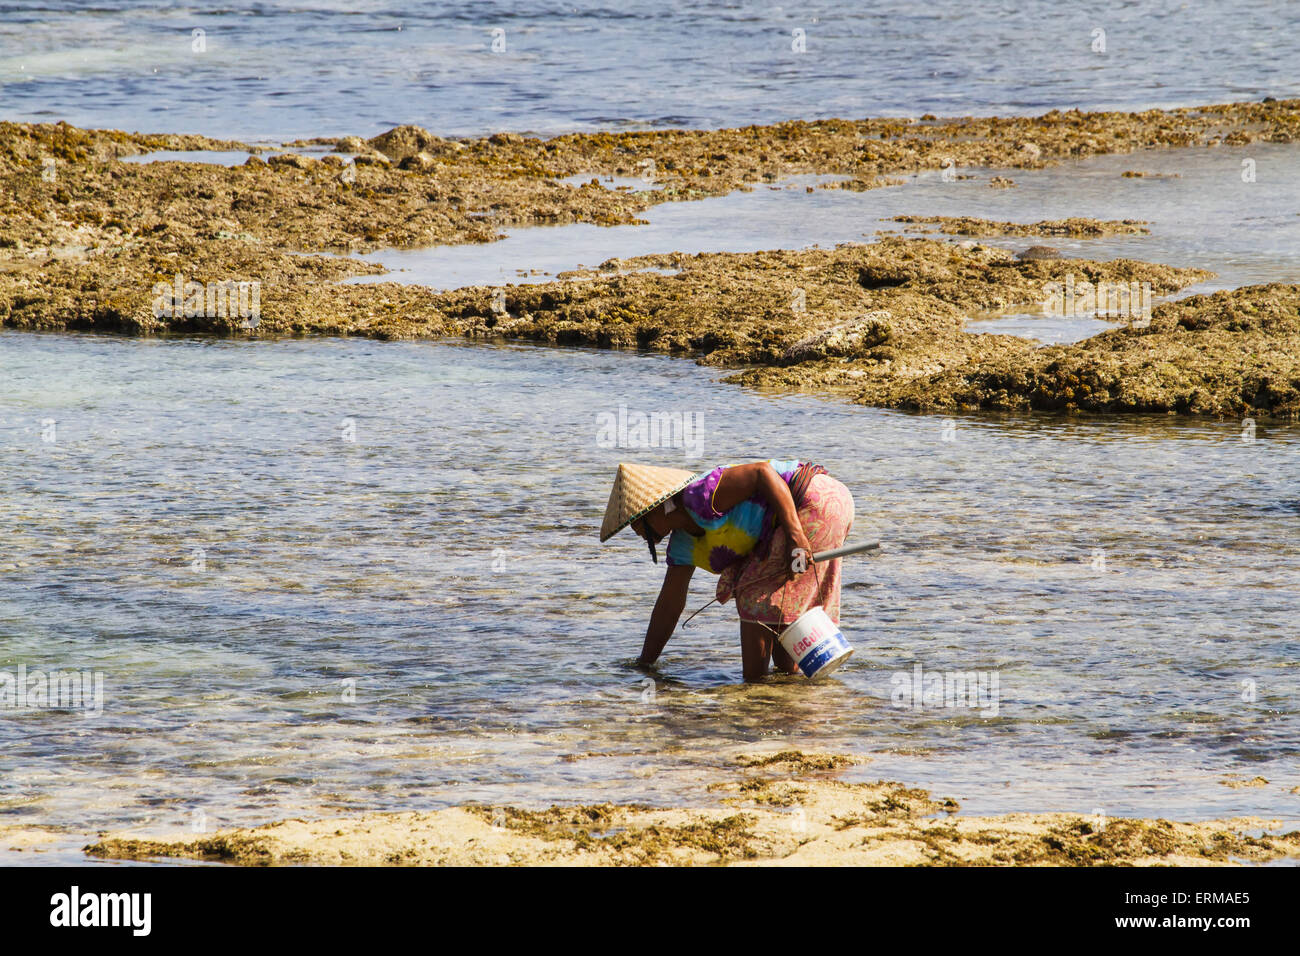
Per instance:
(816,643)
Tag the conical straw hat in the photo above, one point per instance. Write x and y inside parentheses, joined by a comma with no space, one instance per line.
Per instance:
(638,489)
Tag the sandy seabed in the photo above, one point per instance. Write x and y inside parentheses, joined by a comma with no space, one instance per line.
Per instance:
(783,808)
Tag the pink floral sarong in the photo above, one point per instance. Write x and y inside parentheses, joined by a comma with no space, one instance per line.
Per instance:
(758,585)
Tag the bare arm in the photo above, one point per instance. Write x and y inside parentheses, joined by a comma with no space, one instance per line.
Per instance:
(669,607)
(740,482)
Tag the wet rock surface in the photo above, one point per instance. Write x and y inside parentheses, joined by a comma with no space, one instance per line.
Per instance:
(1074,228)
(849,338)
(85,240)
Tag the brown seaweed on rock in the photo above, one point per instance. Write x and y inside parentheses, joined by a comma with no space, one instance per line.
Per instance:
(1232,353)
(785,810)
(1074,228)
(85,247)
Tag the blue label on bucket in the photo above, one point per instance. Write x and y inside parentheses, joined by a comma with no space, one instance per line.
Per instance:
(825,651)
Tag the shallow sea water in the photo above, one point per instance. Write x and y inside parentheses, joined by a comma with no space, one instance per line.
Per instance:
(201,531)
(324,576)
(338,67)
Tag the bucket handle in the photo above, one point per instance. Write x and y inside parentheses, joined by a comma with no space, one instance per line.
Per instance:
(817,558)
(786,595)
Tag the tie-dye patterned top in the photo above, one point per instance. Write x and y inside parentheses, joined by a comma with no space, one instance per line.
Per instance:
(728,535)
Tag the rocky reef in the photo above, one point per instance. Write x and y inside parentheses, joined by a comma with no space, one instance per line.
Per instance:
(88,241)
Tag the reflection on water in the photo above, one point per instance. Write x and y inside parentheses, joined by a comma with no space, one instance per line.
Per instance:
(216,157)
(336,575)
(223,157)
(1048,329)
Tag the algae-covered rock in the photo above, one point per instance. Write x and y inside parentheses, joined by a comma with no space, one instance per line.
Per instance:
(71,257)
(419,162)
(1077,227)
(372,158)
(293,160)
(1233,353)
(403,141)
(848,338)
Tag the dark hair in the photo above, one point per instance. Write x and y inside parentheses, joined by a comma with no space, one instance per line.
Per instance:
(651,539)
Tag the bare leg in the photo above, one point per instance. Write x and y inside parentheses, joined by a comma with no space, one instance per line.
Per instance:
(755,649)
(783,661)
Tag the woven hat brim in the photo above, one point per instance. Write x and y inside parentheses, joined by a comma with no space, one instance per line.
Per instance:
(639,489)
(645,511)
